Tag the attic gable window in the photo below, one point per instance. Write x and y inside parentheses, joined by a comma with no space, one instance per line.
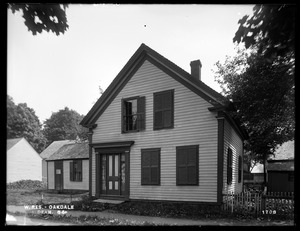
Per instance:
(163,110)
(133,114)
(76,170)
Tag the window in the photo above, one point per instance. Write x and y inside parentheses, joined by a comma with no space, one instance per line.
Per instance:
(240,170)
(133,114)
(163,111)
(150,168)
(291,176)
(187,165)
(76,170)
(229,166)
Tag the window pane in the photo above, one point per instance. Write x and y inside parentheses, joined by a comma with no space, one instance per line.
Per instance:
(103,172)
(154,158)
(116,165)
(167,100)
(110,185)
(145,159)
(181,157)
(158,104)
(122,172)
(116,185)
(110,165)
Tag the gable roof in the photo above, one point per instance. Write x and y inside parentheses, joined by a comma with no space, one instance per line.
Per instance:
(53,147)
(146,53)
(12,142)
(218,101)
(71,151)
(280,165)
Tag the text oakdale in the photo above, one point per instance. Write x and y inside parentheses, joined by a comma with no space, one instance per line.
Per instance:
(66,207)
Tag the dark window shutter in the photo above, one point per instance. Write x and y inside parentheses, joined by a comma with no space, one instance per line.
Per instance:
(141,111)
(71,171)
(240,169)
(163,109)
(150,167)
(229,166)
(187,165)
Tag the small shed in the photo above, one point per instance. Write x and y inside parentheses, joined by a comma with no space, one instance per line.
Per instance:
(280,175)
(49,151)
(68,168)
(22,161)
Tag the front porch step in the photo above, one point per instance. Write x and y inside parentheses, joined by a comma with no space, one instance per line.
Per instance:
(108,201)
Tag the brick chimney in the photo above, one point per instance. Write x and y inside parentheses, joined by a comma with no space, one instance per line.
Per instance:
(196,69)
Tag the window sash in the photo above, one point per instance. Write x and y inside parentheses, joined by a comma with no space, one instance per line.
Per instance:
(133,121)
(76,170)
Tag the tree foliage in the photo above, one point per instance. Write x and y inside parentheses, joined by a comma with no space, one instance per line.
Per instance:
(39,17)
(64,124)
(22,122)
(263,95)
(271,28)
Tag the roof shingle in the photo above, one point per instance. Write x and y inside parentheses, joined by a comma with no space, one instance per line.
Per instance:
(71,151)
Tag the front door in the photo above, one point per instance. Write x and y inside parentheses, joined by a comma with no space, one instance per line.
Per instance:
(58,175)
(112,174)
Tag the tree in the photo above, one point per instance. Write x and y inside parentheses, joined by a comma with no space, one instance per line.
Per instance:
(39,17)
(64,124)
(263,95)
(271,28)
(22,122)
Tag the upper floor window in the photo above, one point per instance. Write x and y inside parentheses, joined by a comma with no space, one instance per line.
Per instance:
(133,114)
(76,170)
(163,110)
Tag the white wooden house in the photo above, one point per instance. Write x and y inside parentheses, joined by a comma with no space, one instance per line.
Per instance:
(159,133)
(22,161)
(68,168)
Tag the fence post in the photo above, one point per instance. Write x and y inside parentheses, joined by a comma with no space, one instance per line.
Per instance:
(232,201)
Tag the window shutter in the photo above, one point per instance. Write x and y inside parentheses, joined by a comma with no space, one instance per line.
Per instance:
(150,169)
(229,166)
(141,111)
(158,114)
(79,170)
(145,167)
(181,162)
(240,169)
(71,171)
(192,166)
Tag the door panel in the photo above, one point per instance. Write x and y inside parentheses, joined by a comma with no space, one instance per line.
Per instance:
(58,175)
(113,177)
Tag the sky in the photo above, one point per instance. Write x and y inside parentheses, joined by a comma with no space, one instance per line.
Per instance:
(50,72)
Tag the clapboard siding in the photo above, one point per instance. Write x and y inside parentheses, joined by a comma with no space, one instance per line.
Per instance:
(23,162)
(76,185)
(232,140)
(50,175)
(193,125)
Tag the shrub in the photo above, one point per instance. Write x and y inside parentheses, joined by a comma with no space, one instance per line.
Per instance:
(26,184)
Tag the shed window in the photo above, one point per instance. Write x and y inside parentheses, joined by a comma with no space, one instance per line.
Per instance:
(229,166)
(240,170)
(187,165)
(133,114)
(150,166)
(76,170)
(163,111)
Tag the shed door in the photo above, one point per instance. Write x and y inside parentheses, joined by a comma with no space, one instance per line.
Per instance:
(58,175)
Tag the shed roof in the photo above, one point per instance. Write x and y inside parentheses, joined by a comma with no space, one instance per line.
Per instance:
(280,165)
(12,142)
(71,151)
(53,147)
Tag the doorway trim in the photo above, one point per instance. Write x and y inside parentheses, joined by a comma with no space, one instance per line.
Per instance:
(112,148)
